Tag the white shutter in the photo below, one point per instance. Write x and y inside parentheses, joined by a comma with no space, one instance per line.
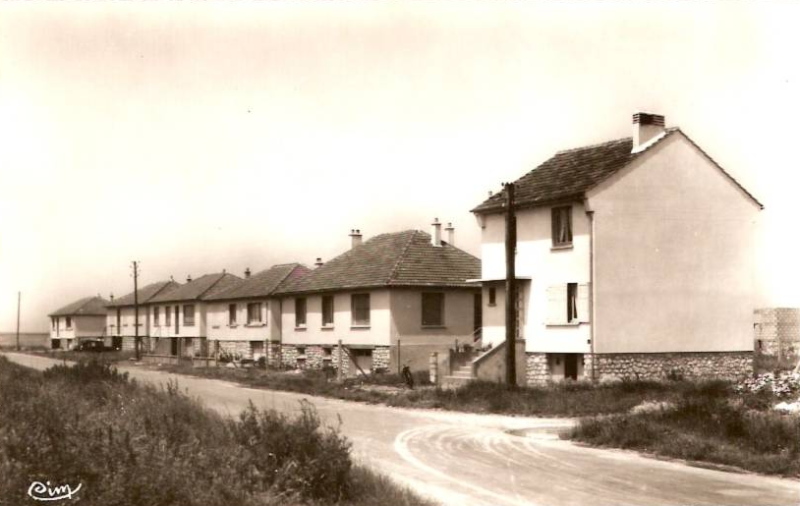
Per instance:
(583,302)
(557,304)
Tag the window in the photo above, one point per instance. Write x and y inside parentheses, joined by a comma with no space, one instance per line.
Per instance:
(69,322)
(572,302)
(232,314)
(568,304)
(432,309)
(492,296)
(188,315)
(359,307)
(254,312)
(54,322)
(300,312)
(119,317)
(167,316)
(327,310)
(155,316)
(562,226)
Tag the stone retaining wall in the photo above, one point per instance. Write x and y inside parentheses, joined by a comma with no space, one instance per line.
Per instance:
(536,370)
(655,366)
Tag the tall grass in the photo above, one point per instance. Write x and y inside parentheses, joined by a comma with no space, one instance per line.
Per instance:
(128,443)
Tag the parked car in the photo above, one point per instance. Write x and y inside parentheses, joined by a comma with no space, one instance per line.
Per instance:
(92,345)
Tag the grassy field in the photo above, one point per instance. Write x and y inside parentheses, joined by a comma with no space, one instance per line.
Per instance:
(128,443)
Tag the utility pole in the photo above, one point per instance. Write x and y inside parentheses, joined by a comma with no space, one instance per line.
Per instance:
(136,307)
(511,288)
(19,300)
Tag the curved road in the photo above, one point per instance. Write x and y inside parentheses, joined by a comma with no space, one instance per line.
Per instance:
(490,460)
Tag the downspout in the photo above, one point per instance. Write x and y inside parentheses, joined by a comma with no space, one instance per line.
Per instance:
(590,214)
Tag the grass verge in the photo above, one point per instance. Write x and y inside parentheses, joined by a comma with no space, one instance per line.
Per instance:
(128,443)
(707,423)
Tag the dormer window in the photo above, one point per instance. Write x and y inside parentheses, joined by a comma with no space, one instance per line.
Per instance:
(562,226)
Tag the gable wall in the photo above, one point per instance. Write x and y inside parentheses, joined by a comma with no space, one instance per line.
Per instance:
(674,256)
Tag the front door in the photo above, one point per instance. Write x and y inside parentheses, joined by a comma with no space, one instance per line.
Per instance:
(571,366)
(173,349)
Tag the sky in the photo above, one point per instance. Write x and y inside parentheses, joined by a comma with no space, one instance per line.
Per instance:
(196,137)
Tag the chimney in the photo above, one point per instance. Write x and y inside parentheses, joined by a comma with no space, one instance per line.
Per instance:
(111,296)
(355,238)
(436,234)
(247,273)
(319,263)
(189,278)
(646,127)
(451,234)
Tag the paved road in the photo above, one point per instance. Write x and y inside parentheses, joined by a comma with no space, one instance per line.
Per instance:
(481,460)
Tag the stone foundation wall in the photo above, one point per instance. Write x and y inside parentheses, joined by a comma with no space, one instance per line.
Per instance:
(319,356)
(536,369)
(273,351)
(241,349)
(380,357)
(777,332)
(655,366)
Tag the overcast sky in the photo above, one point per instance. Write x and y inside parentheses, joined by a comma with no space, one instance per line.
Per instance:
(197,137)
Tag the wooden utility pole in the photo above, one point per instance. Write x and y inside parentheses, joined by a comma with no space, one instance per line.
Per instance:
(136,307)
(511,288)
(19,300)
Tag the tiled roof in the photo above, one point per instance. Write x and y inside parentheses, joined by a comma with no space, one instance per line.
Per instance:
(88,306)
(204,286)
(569,174)
(146,293)
(262,283)
(400,259)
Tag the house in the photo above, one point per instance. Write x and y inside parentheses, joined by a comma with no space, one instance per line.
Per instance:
(243,320)
(635,258)
(84,318)
(121,316)
(391,300)
(178,317)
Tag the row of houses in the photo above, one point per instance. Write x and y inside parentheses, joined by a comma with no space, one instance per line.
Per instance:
(635,257)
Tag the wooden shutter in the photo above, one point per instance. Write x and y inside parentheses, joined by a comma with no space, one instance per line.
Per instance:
(557,304)
(583,302)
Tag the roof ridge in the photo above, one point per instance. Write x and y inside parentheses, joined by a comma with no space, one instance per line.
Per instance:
(402,255)
(212,285)
(592,146)
(279,283)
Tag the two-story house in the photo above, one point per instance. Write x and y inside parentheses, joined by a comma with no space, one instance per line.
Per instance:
(84,318)
(635,258)
(390,300)
(244,321)
(121,316)
(178,317)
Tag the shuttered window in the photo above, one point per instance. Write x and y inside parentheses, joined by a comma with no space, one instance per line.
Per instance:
(188,315)
(156,316)
(432,309)
(327,310)
(568,303)
(300,312)
(562,225)
(360,309)
(254,312)
(231,314)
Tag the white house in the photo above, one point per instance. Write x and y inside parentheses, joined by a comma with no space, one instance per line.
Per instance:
(84,318)
(121,316)
(178,317)
(635,258)
(406,290)
(243,320)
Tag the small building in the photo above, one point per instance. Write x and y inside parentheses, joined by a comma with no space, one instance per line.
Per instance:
(244,321)
(178,316)
(121,316)
(777,333)
(635,259)
(391,300)
(84,318)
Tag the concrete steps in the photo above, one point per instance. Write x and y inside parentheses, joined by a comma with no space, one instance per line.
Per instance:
(460,376)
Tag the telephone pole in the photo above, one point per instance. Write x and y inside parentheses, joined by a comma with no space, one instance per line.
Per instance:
(136,307)
(511,287)
(19,300)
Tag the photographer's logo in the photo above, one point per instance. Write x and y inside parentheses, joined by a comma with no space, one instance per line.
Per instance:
(44,492)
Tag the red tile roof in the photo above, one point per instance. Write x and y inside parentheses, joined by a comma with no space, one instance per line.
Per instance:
(88,306)
(569,174)
(402,259)
(262,284)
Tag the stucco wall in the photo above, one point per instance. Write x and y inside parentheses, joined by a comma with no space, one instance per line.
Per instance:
(674,256)
(164,330)
(546,266)
(217,319)
(127,321)
(89,326)
(406,314)
(377,333)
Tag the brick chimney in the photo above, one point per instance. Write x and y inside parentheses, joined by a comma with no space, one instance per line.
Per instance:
(247,273)
(436,233)
(646,127)
(451,234)
(189,278)
(319,263)
(355,238)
